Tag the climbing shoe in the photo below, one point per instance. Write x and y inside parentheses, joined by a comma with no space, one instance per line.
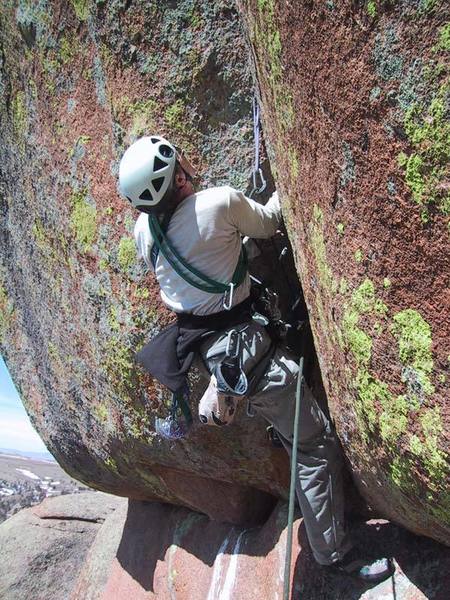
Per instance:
(363,568)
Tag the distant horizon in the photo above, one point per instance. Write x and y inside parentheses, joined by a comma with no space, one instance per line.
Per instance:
(16,430)
(28,453)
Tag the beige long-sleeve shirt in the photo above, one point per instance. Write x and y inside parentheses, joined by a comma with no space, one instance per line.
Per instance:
(207,229)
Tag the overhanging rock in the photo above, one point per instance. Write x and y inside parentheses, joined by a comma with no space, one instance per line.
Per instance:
(355,98)
(80,81)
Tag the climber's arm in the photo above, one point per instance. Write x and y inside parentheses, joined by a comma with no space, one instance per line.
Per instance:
(253,219)
(143,239)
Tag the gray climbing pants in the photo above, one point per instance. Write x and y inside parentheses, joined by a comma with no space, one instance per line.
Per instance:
(319,459)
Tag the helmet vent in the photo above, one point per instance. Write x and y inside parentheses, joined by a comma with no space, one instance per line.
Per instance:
(154,140)
(157,183)
(146,195)
(158,164)
(166,151)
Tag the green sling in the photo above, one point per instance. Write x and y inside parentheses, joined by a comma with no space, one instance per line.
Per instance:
(189,273)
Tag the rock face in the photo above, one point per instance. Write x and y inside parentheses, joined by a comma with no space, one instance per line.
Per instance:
(355,98)
(44,547)
(80,81)
(167,552)
(147,550)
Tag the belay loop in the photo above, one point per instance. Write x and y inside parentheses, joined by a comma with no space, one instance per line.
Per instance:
(258,188)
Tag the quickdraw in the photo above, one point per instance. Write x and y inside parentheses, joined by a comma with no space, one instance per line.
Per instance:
(257,171)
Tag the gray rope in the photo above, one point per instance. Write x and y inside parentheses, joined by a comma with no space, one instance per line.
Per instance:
(287,564)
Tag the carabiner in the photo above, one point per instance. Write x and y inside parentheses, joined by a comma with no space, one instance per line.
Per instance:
(263,183)
(230,292)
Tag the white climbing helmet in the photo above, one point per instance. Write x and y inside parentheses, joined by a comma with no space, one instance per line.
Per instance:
(147,171)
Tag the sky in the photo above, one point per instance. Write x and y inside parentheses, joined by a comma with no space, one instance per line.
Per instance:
(16,431)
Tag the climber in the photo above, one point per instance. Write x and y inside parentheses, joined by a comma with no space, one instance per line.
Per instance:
(202,232)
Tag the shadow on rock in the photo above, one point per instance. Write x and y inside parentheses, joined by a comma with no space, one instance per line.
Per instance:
(152,531)
(422,566)
(166,550)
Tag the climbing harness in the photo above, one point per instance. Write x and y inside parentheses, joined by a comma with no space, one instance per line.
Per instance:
(287,564)
(231,379)
(258,188)
(177,424)
(228,383)
(192,275)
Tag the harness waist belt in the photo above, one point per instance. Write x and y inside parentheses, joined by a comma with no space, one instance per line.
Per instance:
(168,357)
(217,321)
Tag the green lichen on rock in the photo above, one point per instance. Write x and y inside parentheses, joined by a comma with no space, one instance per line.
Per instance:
(101,412)
(343,286)
(40,235)
(5,311)
(359,343)
(363,298)
(444,39)
(20,117)
(142,293)
(371,8)
(174,114)
(53,351)
(142,115)
(413,335)
(127,253)
(69,49)
(179,123)
(268,41)
(81,8)
(370,391)
(111,464)
(358,255)
(433,457)
(113,319)
(294,163)
(377,409)
(319,249)
(363,302)
(79,145)
(83,220)
(119,366)
(427,167)
(426,447)
(401,474)
(393,420)
(54,249)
